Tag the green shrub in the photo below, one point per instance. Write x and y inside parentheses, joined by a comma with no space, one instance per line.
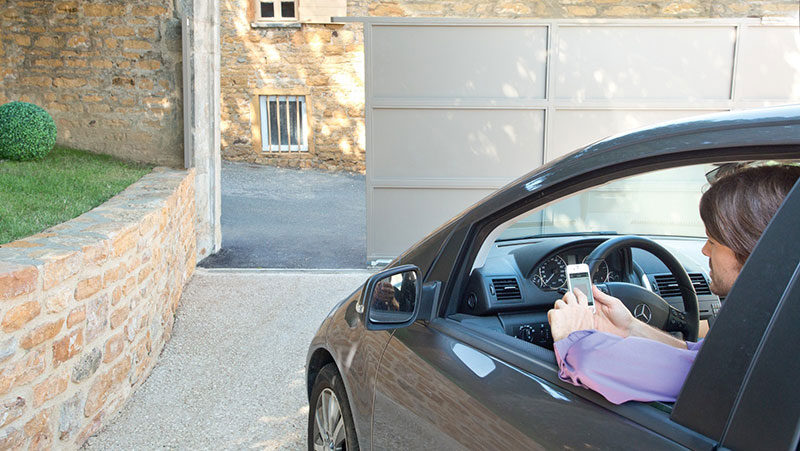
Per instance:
(27,132)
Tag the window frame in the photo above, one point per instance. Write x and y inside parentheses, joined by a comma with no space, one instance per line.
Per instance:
(256,122)
(277,9)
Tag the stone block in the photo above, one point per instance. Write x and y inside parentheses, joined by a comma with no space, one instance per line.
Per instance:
(96,317)
(86,366)
(39,424)
(113,348)
(59,267)
(47,41)
(123,31)
(102,387)
(69,418)
(126,241)
(88,287)
(64,82)
(10,410)
(8,348)
(103,10)
(50,388)
(67,347)
(119,316)
(82,42)
(20,315)
(77,315)
(41,334)
(17,280)
(11,438)
(22,371)
(58,300)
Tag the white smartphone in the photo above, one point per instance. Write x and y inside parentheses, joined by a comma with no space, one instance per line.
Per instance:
(578,277)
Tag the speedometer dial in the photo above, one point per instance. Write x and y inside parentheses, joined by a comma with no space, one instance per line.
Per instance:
(601,273)
(553,272)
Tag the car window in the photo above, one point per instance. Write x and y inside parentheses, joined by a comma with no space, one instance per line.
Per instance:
(657,203)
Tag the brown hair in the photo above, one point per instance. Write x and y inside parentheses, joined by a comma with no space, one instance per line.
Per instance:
(737,207)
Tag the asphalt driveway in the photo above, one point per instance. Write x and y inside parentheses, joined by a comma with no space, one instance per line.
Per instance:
(289,218)
(232,376)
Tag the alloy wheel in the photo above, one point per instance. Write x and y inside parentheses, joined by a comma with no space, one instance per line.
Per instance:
(329,430)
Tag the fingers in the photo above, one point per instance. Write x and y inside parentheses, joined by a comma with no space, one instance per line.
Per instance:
(569,298)
(559,304)
(582,300)
(601,297)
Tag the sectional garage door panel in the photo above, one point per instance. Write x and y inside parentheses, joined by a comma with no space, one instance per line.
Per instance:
(464,143)
(604,63)
(457,107)
(425,209)
(444,62)
(772,69)
(577,128)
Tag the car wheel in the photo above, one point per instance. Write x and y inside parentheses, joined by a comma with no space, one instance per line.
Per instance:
(330,423)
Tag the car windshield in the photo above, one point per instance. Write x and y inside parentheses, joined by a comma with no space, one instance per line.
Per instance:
(657,203)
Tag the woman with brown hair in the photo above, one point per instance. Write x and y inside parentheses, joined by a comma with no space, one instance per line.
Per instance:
(624,359)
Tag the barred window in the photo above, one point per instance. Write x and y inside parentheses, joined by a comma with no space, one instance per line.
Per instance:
(277,9)
(284,126)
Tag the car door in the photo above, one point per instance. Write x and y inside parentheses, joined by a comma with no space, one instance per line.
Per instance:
(436,391)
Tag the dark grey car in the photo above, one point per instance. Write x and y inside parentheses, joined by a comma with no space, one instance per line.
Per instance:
(449,347)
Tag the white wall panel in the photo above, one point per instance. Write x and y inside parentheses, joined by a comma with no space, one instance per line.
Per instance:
(408,215)
(573,129)
(457,61)
(638,63)
(770,64)
(462,143)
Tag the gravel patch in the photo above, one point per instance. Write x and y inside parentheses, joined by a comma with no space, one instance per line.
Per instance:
(232,376)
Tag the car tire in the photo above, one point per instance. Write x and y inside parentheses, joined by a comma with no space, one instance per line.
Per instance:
(327,397)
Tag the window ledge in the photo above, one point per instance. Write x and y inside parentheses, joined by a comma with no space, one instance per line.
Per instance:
(275,24)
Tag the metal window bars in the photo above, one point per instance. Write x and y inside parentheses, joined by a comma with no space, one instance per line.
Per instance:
(283,124)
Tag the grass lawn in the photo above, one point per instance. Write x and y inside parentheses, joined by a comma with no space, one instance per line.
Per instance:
(35,195)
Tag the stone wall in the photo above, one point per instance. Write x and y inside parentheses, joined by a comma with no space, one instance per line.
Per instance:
(327,62)
(86,309)
(109,73)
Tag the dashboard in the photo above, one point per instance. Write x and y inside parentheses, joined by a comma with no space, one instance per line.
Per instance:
(521,280)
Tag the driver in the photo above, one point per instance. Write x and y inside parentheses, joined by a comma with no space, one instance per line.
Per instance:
(624,359)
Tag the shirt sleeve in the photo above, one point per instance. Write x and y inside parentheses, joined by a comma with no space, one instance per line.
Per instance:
(624,369)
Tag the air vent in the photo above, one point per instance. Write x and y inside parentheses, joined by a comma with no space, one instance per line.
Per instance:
(506,289)
(700,284)
(668,287)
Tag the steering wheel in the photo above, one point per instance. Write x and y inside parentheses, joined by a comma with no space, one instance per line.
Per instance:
(643,303)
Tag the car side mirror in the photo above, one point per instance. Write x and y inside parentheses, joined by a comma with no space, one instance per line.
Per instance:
(392,298)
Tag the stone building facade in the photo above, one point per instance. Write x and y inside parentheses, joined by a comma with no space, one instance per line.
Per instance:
(108,72)
(325,64)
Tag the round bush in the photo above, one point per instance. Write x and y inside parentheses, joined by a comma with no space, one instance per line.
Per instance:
(27,131)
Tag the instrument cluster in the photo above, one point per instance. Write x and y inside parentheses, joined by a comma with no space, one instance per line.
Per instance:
(551,273)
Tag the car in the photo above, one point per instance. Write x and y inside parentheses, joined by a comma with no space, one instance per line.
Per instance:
(449,347)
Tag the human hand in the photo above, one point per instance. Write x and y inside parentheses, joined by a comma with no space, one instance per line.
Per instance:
(611,315)
(569,314)
(385,295)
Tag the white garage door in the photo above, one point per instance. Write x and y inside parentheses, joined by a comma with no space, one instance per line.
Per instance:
(457,109)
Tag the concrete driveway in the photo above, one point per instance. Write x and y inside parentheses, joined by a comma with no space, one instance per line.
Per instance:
(291,218)
(232,376)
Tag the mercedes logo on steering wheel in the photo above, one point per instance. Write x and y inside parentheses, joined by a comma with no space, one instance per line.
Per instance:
(642,312)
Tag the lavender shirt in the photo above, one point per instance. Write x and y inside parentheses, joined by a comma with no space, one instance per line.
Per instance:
(624,369)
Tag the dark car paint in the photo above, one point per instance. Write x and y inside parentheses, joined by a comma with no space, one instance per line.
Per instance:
(772,133)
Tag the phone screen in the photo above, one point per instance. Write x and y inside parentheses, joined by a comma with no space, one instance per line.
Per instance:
(583,282)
